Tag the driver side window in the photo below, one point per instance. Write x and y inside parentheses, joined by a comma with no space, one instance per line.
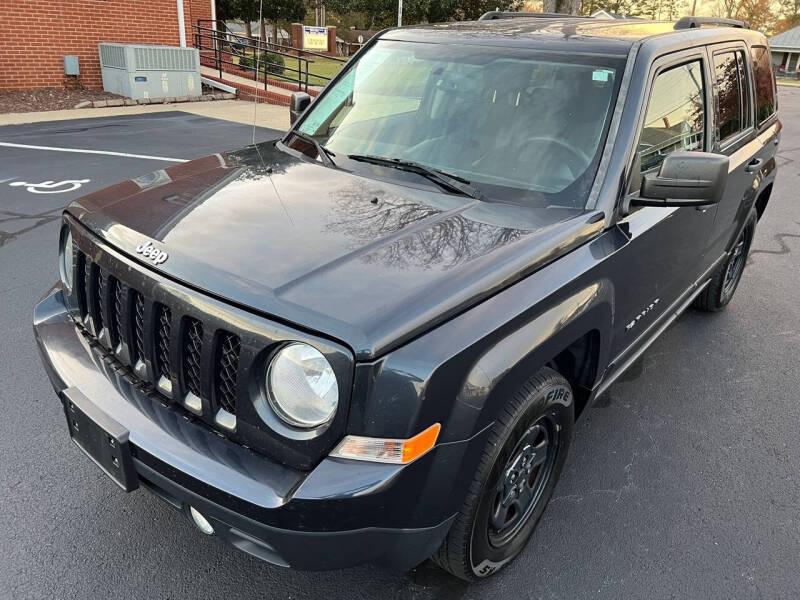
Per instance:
(675,117)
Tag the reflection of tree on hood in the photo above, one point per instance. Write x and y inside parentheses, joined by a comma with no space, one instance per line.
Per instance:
(424,236)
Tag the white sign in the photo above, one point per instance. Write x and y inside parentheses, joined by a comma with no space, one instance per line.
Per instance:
(51,187)
(315,38)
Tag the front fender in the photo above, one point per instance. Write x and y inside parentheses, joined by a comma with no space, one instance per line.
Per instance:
(453,373)
(507,364)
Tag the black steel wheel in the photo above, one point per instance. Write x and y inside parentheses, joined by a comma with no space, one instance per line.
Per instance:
(521,481)
(719,292)
(516,476)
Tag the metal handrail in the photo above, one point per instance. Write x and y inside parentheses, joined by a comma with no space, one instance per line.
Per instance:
(220,44)
(293,49)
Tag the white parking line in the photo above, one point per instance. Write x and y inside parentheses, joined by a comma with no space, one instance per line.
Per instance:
(82,151)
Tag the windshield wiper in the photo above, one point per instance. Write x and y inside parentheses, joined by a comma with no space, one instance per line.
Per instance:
(444,179)
(325,154)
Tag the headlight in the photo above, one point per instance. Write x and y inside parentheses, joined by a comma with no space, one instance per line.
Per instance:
(302,386)
(66,257)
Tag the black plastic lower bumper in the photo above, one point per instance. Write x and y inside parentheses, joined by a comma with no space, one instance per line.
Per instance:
(396,548)
(340,514)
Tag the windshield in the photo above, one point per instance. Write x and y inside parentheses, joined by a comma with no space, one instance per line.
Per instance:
(520,125)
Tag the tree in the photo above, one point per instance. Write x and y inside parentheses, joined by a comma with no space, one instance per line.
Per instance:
(287,10)
(567,7)
(725,8)
(757,13)
(789,11)
(377,14)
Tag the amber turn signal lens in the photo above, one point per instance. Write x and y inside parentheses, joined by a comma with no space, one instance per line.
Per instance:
(384,450)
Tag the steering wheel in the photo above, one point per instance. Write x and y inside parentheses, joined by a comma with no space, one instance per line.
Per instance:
(576,159)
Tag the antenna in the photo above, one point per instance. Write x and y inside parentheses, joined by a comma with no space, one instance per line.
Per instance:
(261,34)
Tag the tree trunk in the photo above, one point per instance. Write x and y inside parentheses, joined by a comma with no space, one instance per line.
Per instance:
(262,30)
(567,7)
(248,29)
(275,39)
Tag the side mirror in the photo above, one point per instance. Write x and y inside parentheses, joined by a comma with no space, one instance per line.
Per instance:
(685,179)
(298,103)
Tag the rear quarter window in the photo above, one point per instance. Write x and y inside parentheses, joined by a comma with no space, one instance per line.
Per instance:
(764,83)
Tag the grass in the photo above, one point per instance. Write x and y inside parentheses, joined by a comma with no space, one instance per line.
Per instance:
(324,67)
(321,66)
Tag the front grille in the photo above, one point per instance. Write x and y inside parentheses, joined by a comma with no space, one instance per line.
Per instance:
(149,337)
(227,368)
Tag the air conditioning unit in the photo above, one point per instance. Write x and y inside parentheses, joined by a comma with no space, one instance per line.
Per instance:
(139,71)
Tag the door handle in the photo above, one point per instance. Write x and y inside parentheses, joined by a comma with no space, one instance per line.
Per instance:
(754,165)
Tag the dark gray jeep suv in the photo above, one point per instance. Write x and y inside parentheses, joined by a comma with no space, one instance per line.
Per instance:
(369,340)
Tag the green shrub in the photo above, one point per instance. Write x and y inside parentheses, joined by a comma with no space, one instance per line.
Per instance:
(274,62)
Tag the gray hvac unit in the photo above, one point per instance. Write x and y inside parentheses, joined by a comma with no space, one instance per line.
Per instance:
(138,71)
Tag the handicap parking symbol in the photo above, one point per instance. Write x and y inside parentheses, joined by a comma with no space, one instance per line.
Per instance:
(51,187)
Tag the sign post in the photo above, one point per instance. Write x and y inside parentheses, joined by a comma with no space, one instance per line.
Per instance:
(399,13)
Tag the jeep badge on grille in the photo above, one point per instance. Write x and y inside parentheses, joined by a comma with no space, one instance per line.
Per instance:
(154,254)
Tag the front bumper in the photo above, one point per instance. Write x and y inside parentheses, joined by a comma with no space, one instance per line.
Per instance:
(339,514)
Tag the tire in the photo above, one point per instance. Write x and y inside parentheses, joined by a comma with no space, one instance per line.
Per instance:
(726,277)
(541,412)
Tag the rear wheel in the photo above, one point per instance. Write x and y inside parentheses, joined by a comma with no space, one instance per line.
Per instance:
(519,468)
(726,278)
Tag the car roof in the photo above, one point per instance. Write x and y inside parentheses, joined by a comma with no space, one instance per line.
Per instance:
(571,34)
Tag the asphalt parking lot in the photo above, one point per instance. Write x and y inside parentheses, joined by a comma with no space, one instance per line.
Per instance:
(683,481)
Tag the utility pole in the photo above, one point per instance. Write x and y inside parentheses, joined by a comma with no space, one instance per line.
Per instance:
(399,13)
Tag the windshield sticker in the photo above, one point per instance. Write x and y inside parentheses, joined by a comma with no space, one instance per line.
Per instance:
(601,75)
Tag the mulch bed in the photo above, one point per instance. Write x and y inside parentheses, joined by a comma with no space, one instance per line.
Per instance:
(48,99)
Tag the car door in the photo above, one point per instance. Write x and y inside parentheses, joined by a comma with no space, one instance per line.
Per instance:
(734,136)
(666,253)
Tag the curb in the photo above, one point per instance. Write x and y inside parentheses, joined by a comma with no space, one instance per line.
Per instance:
(167,100)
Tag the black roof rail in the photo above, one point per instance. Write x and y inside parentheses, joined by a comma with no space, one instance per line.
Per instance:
(696,22)
(493,15)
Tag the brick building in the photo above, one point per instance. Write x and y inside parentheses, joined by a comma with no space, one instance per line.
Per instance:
(36,34)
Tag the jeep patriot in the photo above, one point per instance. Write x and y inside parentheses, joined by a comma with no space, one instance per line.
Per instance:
(369,340)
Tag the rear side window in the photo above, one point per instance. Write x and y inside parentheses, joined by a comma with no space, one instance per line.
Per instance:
(675,117)
(732,93)
(764,83)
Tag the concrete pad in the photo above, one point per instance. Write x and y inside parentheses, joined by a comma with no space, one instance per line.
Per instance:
(238,111)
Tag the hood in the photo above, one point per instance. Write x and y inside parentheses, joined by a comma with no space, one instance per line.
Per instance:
(367,262)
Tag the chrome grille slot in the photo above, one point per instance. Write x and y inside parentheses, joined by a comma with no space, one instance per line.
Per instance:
(192,351)
(138,327)
(100,309)
(163,327)
(80,283)
(117,306)
(163,337)
(227,367)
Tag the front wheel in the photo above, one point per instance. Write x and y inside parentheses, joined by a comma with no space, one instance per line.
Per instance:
(725,280)
(519,468)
